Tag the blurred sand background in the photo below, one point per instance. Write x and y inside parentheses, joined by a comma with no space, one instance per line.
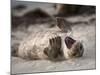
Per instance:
(84,31)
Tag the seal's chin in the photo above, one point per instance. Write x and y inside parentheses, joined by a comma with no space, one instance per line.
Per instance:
(69,42)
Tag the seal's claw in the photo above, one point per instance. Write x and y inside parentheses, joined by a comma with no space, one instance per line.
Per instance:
(55,43)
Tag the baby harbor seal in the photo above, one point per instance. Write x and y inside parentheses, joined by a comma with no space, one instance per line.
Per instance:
(50,44)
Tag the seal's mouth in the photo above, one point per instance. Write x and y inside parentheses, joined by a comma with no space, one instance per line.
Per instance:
(69,42)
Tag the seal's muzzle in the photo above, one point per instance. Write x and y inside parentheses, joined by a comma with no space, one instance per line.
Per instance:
(75,48)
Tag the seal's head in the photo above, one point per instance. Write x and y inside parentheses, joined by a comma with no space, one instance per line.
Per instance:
(75,48)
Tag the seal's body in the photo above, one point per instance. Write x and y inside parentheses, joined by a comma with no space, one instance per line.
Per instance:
(53,44)
(49,45)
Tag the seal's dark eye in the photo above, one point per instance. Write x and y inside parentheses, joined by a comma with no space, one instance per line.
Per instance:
(81,46)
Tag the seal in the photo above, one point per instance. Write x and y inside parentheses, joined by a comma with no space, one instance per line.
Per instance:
(50,44)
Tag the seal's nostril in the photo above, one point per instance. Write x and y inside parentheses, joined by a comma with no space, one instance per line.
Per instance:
(74,54)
